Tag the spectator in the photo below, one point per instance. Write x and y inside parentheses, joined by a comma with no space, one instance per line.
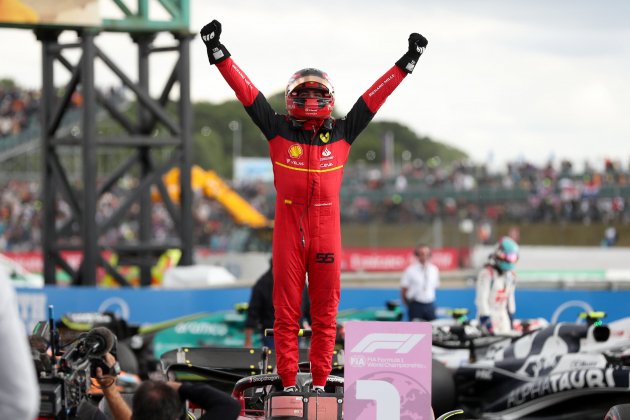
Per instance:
(418,285)
(610,237)
(19,391)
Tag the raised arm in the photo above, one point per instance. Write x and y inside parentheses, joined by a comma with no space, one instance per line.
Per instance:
(371,101)
(252,99)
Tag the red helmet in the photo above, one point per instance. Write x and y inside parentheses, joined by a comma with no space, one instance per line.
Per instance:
(310,95)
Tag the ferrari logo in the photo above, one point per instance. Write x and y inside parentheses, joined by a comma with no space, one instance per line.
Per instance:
(295,151)
(325,137)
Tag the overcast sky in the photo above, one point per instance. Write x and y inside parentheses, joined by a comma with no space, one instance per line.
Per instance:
(511,80)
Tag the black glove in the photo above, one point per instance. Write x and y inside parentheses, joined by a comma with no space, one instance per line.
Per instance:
(417,44)
(210,36)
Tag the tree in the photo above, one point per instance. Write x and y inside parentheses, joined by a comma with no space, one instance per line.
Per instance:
(216,117)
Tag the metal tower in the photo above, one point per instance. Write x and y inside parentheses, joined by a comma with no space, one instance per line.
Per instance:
(146,160)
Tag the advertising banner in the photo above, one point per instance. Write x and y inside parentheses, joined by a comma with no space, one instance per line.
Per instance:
(394,259)
(251,169)
(352,259)
(387,370)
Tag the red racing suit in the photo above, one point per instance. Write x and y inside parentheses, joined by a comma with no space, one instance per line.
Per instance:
(308,160)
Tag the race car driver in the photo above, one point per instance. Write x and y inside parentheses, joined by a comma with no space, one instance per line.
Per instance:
(308,150)
(496,283)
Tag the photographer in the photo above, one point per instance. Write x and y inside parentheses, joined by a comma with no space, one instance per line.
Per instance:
(117,404)
(158,400)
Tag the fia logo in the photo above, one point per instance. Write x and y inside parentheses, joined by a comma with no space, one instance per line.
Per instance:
(358,361)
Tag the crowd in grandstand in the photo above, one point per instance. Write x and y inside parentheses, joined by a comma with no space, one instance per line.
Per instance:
(17,108)
(418,191)
(523,192)
(451,192)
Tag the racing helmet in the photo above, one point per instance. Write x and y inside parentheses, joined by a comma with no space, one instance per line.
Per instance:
(310,95)
(506,253)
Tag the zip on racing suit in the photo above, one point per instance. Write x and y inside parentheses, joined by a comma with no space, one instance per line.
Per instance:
(308,159)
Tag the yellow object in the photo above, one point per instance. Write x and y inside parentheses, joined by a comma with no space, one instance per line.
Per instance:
(170,258)
(295,151)
(14,11)
(215,188)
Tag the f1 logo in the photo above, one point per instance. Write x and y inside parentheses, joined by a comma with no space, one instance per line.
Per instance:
(402,343)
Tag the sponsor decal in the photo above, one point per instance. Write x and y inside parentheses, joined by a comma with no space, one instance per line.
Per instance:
(389,78)
(540,365)
(295,151)
(295,162)
(32,308)
(393,259)
(580,364)
(241,74)
(484,374)
(358,361)
(324,137)
(201,328)
(260,378)
(326,155)
(217,53)
(580,379)
(501,296)
(116,305)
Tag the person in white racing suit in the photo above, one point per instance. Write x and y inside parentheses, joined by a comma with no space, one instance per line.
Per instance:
(496,284)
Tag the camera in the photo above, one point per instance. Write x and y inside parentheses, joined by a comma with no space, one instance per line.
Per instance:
(65,372)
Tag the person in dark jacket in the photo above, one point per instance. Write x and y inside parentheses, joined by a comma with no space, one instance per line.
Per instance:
(156,398)
(260,314)
(159,400)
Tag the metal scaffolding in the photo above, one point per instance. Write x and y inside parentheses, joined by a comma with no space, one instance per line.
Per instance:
(139,137)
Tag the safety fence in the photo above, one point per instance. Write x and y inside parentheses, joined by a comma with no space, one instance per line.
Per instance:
(150,305)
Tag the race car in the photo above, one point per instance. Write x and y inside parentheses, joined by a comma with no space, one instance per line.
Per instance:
(145,344)
(248,376)
(565,370)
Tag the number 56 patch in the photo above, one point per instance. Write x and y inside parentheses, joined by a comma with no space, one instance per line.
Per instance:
(325,257)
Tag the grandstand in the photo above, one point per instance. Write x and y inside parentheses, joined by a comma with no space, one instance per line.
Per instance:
(380,211)
(554,206)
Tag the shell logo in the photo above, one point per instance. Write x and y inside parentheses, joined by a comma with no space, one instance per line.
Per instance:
(295,151)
